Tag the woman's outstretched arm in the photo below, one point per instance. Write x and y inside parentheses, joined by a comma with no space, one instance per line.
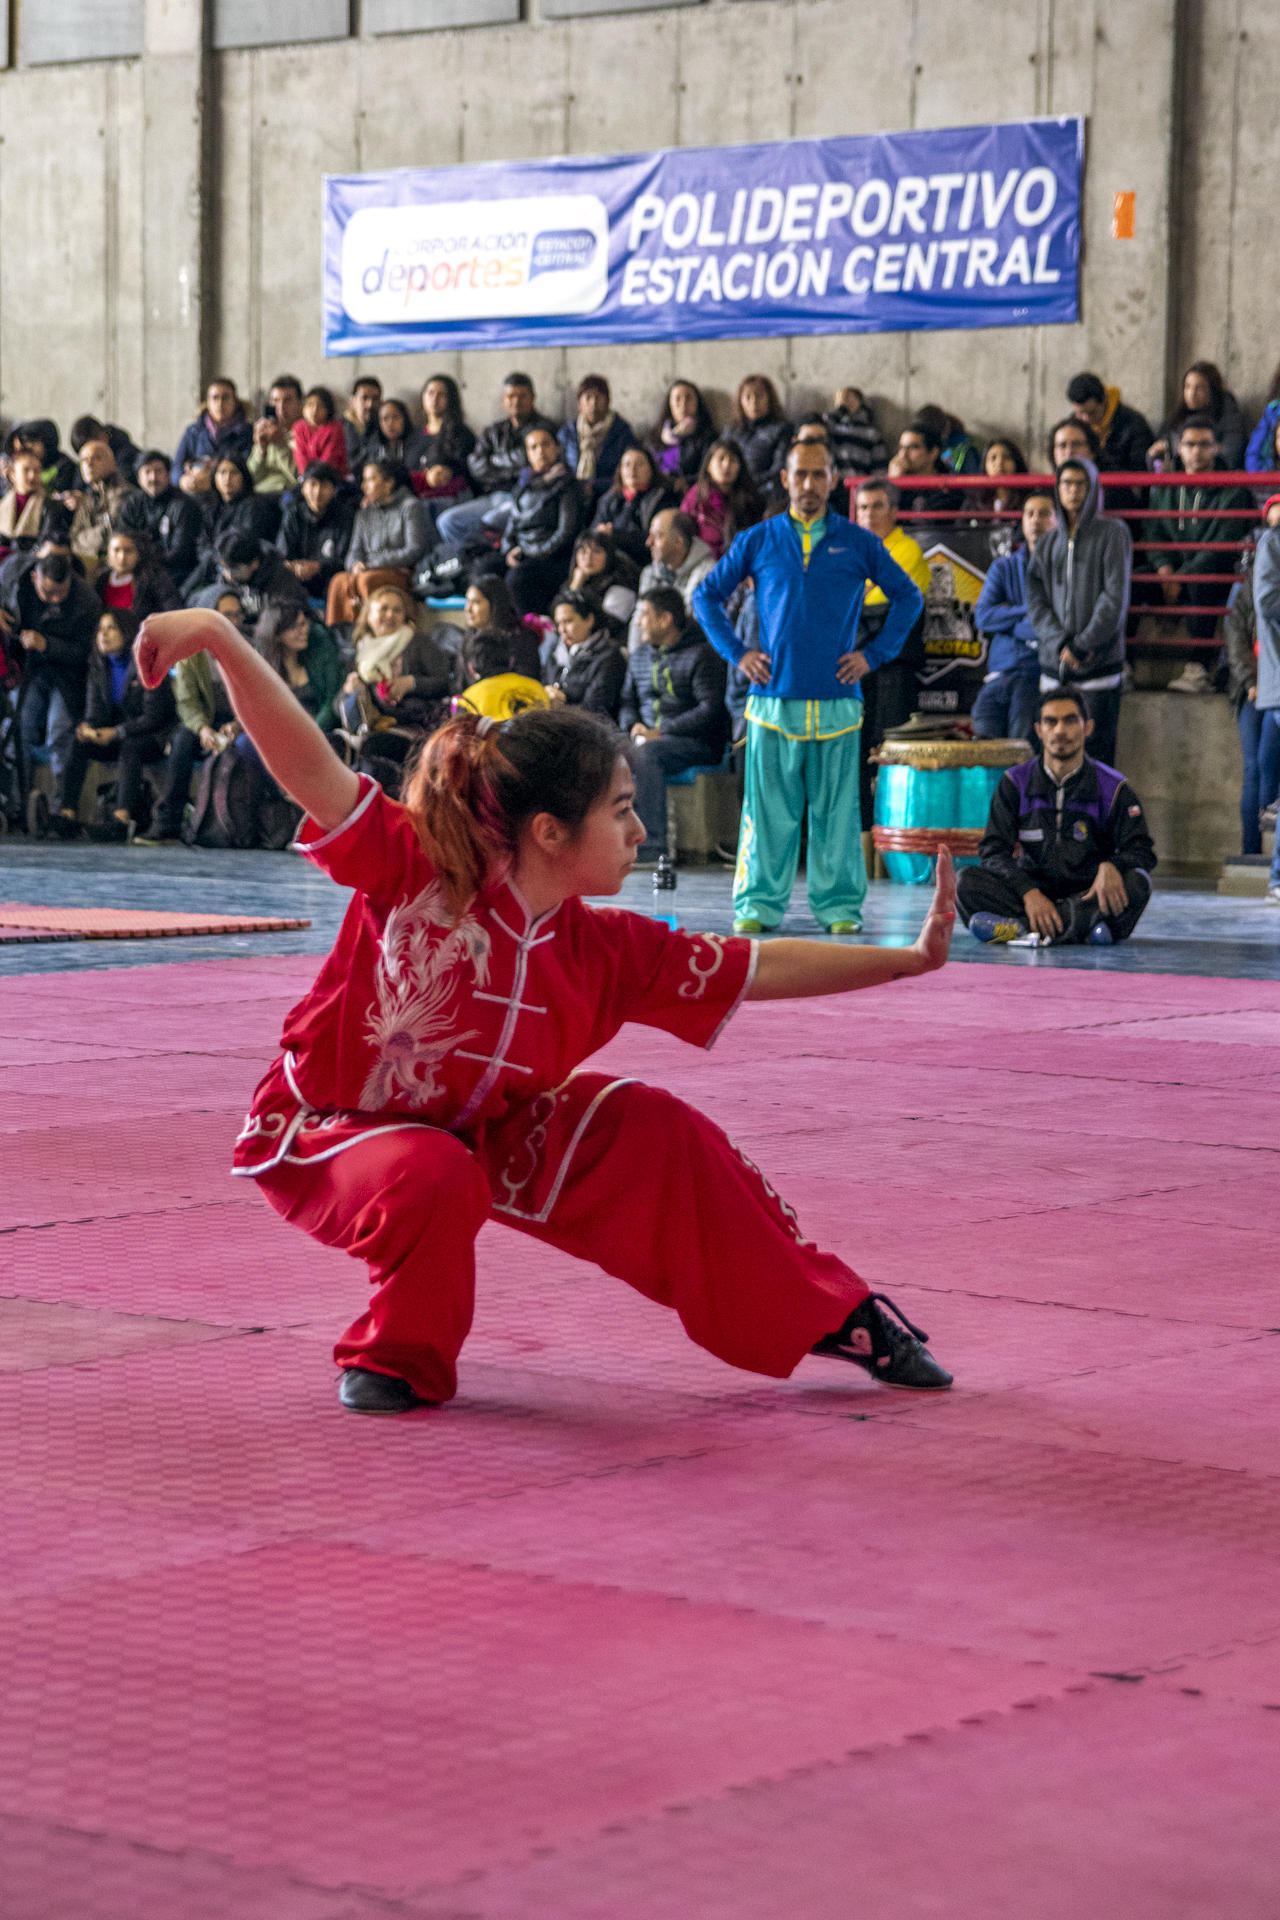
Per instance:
(799,969)
(292,746)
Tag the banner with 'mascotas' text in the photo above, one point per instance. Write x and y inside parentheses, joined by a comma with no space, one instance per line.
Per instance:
(961,227)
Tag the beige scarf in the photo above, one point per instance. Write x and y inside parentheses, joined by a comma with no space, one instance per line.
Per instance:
(590,441)
(376,657)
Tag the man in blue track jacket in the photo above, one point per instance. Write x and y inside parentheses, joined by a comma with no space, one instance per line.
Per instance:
(804,716)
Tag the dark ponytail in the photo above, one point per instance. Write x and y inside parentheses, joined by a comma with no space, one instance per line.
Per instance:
(478,784)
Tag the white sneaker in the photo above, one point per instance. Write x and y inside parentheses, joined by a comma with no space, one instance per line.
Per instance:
(1272,896)
(1269,815)
(1192,679)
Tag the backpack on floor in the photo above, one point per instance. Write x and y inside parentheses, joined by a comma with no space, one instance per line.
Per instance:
(226,804)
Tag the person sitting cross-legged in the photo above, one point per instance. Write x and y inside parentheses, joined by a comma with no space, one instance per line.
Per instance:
(672,706)
(1067,856)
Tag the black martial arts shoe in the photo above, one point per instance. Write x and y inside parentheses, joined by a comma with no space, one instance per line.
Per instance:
(361,1391)
(896,1358)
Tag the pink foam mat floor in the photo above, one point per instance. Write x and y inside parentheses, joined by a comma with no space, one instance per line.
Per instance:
(623,1634)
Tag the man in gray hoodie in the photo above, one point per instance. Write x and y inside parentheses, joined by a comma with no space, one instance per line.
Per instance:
(1078,599)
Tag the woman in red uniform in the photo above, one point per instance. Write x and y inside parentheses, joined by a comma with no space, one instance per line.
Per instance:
(430,1077)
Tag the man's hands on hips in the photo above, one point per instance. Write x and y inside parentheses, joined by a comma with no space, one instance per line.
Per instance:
(1109,890)
(850,668)
(757,666)
(1041,912)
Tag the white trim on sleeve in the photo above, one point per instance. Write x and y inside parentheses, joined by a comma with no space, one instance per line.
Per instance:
(746,987)
(327,840)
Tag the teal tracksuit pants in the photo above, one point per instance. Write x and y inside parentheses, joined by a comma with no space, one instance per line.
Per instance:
(801,755)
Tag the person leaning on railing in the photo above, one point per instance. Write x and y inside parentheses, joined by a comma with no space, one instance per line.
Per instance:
(1191,534)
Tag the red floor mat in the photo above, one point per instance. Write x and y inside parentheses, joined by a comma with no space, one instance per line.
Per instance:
(21,922)
(624,1634)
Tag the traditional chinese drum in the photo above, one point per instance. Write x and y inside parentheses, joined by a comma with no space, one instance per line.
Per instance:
(936,793)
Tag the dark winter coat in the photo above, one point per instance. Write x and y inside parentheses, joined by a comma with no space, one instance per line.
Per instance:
(630,520)
(498,458)
(679,689)
(451,447)
(173,523)
(681,463)
(1242,644)
(1128,437)
(855,442)
(763,444)
(1040,835)
(141,711)
(203,441)
(548,516)
(68,630)
(594,676)
(616,442)
(325,538)
(1184,504)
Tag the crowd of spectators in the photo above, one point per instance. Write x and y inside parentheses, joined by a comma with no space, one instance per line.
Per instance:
(330,533)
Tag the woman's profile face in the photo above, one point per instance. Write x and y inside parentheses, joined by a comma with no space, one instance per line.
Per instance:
(297,636)
(386,613)
(228,479)
(478,611)
(375,484)
(572,626)
(723,468)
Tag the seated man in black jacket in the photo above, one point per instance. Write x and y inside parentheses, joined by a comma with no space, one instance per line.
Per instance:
(171,518)
(672,706)
(51,618)
(545,521)
(315,528)
(123,721)
(1066,857)
(257,574)
(495,464)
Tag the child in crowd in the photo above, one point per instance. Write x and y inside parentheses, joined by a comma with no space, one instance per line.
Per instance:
(429,1075)
(319,435)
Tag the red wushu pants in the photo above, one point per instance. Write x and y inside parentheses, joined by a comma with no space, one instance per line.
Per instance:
(615,1172)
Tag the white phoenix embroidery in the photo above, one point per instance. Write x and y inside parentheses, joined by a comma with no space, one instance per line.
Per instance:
(412,1025)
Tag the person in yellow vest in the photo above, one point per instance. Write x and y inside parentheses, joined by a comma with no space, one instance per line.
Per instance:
(495,691)
(890,692)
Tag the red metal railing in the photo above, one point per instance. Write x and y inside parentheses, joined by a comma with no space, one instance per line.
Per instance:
(973,514)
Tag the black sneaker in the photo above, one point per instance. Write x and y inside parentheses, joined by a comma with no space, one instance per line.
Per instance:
(362,1391)
(894,1357)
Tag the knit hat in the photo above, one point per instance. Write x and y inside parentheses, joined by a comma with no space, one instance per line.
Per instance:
(1273,501)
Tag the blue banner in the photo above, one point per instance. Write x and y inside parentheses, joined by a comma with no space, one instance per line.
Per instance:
(963,227)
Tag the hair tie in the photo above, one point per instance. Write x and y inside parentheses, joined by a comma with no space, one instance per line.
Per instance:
(485,724)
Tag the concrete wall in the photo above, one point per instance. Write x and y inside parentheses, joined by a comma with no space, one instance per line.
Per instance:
(172,206)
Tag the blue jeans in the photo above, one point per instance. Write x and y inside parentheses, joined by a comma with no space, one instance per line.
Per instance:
(654,763)
(47,720)
(1005,708)
(1260,748)
(465,521)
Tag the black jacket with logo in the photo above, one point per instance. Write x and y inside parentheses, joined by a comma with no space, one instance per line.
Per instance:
(679,689)
(1056,838)
(173,523)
